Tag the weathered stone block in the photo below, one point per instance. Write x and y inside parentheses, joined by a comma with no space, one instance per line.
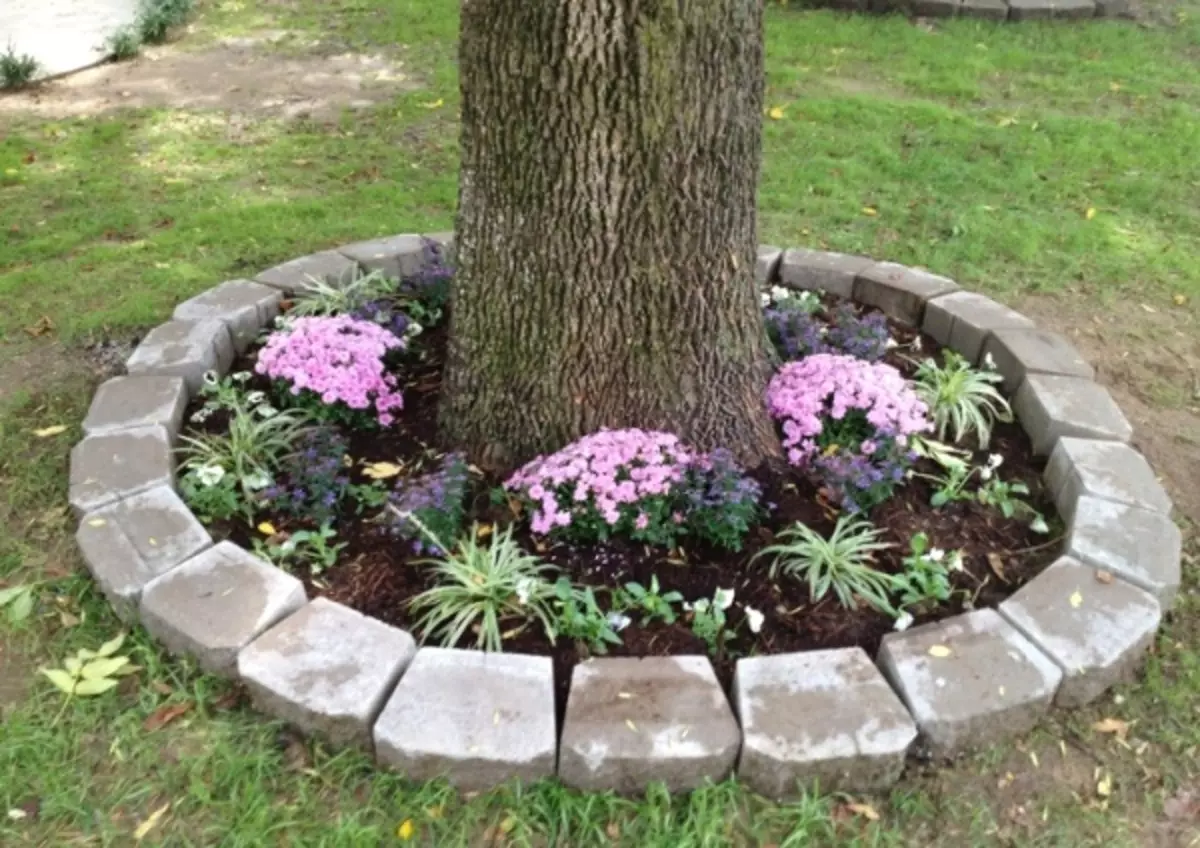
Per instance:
(1020,352)
(184,349)
(128,544)
(962,320)
(1138,545)
(396,256)
(214,604)
(935,8)
(633,722)
(969,681)
(822,716)
(1032,10)
(899,291)
(1113,9)
(111,466)
(991,10)
(242,306)
(299,275)
(327,670)
(766,267)
(818,270)
(126,403)
(1050,407)
(1097,632)
(474,718)
(1109,470)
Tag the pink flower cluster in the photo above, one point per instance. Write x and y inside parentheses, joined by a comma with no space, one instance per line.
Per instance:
(807,393)
(338,358)
(612,471)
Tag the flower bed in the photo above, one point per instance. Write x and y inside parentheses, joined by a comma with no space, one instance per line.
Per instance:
(908,496)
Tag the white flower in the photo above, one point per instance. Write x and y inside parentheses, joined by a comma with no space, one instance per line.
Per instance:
(754,619)
(985,474)
(903,621)
(988,362)
(956,561)
(211,378)
(779,293)
(413,329)
(995,461)
(255,398)
(618,621)
(809,299)
(210,475)
(764,299)
(723,598)
(267,411)
(916,343)
(936,555)
(1039,525)
(242,377)
(892,343)
(525,589)
(201,415)
(257,481)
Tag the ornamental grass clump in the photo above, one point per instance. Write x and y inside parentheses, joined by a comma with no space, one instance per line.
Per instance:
(643,485)
(848,421)
(335,366)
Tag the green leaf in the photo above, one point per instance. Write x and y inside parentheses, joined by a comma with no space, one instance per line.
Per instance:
(939,499)
(104,667)
(60,679)
(10,594)
(95,687)
(21,607)
(112,646)
(73,665)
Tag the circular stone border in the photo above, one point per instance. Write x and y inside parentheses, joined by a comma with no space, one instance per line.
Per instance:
(481,719)
(994,10)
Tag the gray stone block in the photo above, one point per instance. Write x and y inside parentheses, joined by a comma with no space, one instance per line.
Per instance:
(1050,407)
(823,716)
(242,306)
(473,718)
(299,275)
(935,8)
(128,544)
(1097,632)
(899,291)
(111,466)
(818,270)
(633,722)
(766,266)
(184,349)
(126,403)
(1108,470)
(991,10)
(1034,10)
(969,681)
(1113,9)
(214,604)
(1020,352)
(396,256)
(1137,545)
(962,321)
(327,670)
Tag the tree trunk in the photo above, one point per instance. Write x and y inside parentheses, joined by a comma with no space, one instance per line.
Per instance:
(606,226)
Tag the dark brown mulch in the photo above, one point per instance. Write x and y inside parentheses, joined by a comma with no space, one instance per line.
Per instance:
(378,576)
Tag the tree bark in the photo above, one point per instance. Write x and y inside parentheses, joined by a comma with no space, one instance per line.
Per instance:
(606,226)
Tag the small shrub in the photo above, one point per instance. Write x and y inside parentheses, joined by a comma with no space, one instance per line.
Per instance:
(125,43)
(479,586)
(961,399)
(16,70)
(926,575)
(335,368)
(310,549)
(156,18)
(841,563)
(431,505)
(578,617)
(651,602)
(709,619)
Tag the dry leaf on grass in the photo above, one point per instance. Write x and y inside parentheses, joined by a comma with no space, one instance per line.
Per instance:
(1115,726)
(164,715)
(143,829)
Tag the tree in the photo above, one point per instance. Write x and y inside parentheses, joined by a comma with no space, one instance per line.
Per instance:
(606,227)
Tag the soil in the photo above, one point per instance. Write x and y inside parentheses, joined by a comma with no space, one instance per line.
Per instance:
(379,576)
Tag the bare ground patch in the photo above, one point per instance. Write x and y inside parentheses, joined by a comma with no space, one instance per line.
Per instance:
(237,76)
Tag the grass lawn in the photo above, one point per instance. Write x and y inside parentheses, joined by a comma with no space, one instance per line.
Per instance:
(1054,167)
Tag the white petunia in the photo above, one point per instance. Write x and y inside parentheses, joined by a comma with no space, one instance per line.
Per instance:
(956,562)
(988,362)
(985,474)
(892,343)
(723,598)
(916,343)
(936,555)
(618,621)
(903,621)
(413,329)
(754,619)
(210,475)
(242,377)
(1039,525)
(764,299)
(779,293)
(255,398)
(525,589)
(267,411)
(201,415)
(211,378)
(257,481)
(995,461)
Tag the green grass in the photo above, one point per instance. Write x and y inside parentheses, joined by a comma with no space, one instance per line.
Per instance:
(979,148)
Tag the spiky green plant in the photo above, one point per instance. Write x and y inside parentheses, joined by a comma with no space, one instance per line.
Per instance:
(960,398)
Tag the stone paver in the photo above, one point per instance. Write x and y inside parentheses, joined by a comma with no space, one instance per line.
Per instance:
(299,275)
(184,349)
(131,542)
(1109,470)
(969,681)
(935,8)
(214,604)
(1020,352)
(326,670)
(474,718)
(1096,628)
(901,292)
(991,10)
(396,256)
(244,307)
(110,466)
(124,403)
(1138,545)
(63,35)
(766,266)
(962,320)
(1032,10)
(631,722)
(1050,407)
(818,270)
(823,716)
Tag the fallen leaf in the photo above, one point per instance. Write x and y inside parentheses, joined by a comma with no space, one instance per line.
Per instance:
(164,715)
(613,831)
(870,211)
(47,432)
(1104,577)
(436,811)
(381,470)
(1104,786)
(1076,600)
(508,824)
(940,651)
(40,327)
(629,723)
(775,113)
(865,810)
(68,620)
(1091,213)
(267,529)
(483,531)
(1179,299)
(97,522)
(996,563)
(406,830)
(16,815)
(1033,758)
(150,823)
(1115,726)
(161,687)
(434,104)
